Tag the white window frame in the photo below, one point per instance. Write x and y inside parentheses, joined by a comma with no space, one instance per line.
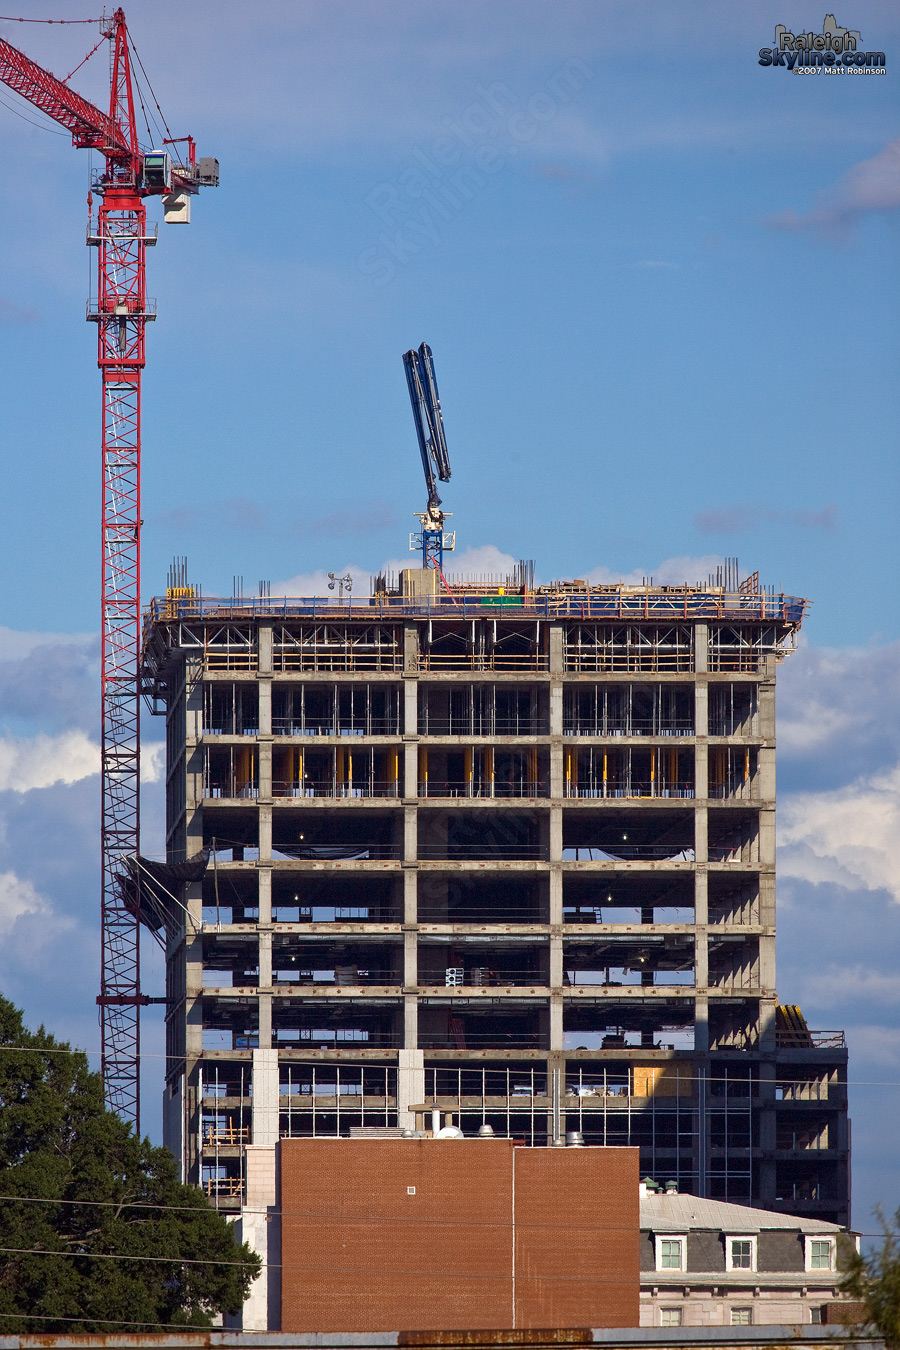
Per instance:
(729,1256)
(808,1241)
(670,1308)
(743,1308)
(659,1239)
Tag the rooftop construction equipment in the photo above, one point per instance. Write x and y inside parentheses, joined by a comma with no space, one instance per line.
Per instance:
(426,406)
(121,310)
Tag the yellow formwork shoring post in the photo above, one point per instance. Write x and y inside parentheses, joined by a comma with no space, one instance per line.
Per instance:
(467,771)
(489,769)
(423,768)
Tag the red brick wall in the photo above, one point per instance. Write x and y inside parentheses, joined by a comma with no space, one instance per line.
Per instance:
(359,1253)
(577,1237)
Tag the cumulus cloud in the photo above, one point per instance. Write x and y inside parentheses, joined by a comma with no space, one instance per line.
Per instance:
(153,761)
(849,836)
(18,897)
(486,560)
(740,519)
(670,572)
(844,699)
(870,187)
(40,761)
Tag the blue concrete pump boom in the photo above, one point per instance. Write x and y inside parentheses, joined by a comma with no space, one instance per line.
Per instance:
(426,406)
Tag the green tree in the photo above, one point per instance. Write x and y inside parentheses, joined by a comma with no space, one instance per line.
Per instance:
(97,1192)
(874,1279)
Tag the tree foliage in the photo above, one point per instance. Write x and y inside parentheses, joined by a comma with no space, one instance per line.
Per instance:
(60,1145)
(874,1278)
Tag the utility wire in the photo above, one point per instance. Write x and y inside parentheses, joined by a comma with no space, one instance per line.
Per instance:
(11,18)
(276,1212)
(42,126)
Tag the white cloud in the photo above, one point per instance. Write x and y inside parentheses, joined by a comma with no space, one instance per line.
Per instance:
(486,560)
(670,572)
(849,836)
(813,724)
(41,761)
(15,646)
(872,185)
(17,898)
(153,761)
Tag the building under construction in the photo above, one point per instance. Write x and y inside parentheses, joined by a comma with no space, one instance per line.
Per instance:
(503,850)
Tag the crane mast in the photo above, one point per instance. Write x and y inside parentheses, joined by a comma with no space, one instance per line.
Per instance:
(121,312)
(426,406)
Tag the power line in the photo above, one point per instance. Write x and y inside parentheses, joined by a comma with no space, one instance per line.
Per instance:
(40,125)
(332,1217)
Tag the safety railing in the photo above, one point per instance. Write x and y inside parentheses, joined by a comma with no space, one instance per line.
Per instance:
(435,787)
(374,726)
(635,788)
(810,1040)
(307,788)
(634,727)
(482,977)
(227,1136)
(635,604)
(229,786)
(466,1040)
(475,726)
(628,852)
(484,851)
(224,1188)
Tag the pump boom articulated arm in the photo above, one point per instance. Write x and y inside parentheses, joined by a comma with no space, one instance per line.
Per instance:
(426,406)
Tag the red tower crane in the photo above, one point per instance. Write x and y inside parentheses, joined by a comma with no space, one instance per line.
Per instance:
(121,311)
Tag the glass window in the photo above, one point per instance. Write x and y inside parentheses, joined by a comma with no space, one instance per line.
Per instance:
(817,1316)
(741,1254)
(670,1256)
(820,1254)
(670,1317)
(741,1317)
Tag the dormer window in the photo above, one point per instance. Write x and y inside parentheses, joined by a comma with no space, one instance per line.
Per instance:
(740,1252)
(671,1251)
(820,1253)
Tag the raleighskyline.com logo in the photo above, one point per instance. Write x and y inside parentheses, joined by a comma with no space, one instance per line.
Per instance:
(834,51)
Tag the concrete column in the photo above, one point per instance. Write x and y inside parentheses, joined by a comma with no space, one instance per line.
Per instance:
(556,834)
(556,896)
(410,958)
(556,1022)
(264,750)
(556,649)
(265,1097)
(410,834)
(767,837)
(264,1035)
(410,649)
(556,704)
(410,896)
(411,770)
(701,834)
(556,961)
(264,649)
(765,774)
(264,884)
(265,960)
(264,688)
(265,834)
(410,1085)
(411,1023)
(766,701)
(701,647)
(410,707)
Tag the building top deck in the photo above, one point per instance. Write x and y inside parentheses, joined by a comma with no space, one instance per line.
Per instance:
(570,600)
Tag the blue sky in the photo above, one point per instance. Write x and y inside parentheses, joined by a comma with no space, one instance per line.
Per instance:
(660,282)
